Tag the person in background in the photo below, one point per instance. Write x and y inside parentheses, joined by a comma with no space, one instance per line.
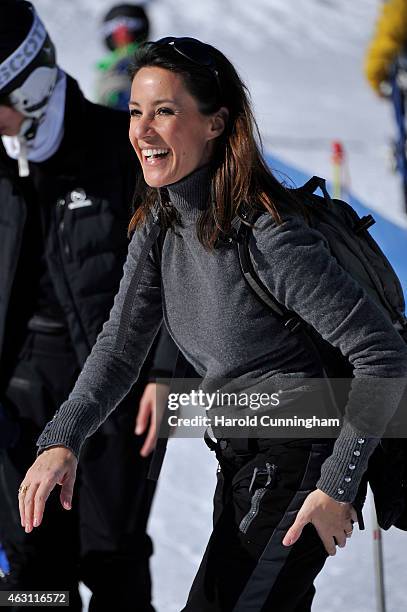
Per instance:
(388,41)
(124,27)
(386,71)
(67,176)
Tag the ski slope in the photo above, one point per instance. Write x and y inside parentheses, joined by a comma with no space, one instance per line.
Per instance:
(302,61)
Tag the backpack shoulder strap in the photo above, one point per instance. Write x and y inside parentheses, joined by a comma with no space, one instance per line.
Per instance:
(312,185)
(288,318)
(247,219)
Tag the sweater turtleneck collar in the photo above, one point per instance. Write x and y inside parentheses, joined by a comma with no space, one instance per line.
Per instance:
(191,195)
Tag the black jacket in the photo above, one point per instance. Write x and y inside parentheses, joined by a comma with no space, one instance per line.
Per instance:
(85,246)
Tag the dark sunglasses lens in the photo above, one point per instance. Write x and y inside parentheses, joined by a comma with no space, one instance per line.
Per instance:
(197,52)
(190,48)
(193,50)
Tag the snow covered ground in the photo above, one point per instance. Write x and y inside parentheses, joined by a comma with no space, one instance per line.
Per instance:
(302,61)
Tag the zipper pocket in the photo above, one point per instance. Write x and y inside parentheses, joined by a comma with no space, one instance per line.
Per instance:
(270,472)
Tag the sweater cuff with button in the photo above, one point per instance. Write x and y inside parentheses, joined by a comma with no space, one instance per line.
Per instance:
(76,421)
(342,472)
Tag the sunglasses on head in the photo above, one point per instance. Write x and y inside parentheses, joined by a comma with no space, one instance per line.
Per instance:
(195,51)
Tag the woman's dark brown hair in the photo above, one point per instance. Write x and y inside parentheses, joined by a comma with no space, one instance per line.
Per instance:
(239,171)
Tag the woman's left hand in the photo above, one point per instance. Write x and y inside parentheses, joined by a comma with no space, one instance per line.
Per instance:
(333,521)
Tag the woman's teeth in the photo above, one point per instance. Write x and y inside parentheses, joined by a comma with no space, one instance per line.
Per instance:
(152,153)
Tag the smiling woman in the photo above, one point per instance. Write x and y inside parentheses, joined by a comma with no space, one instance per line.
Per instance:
(189,102)
(281,505)
(170,135)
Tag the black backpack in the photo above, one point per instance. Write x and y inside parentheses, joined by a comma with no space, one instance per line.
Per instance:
(359,254)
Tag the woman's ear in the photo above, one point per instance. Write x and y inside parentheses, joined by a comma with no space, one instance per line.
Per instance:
(218,122)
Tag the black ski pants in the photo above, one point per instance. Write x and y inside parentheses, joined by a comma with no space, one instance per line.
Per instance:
(261,486)
(102,540)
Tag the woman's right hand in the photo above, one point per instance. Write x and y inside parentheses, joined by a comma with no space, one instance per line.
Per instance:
(55,465)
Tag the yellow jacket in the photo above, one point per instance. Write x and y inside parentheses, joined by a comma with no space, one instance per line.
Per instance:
(389,39)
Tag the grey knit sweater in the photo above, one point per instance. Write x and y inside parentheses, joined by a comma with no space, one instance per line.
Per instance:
(227,334)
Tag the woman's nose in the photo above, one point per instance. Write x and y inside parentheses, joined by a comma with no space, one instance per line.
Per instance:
(143,126)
